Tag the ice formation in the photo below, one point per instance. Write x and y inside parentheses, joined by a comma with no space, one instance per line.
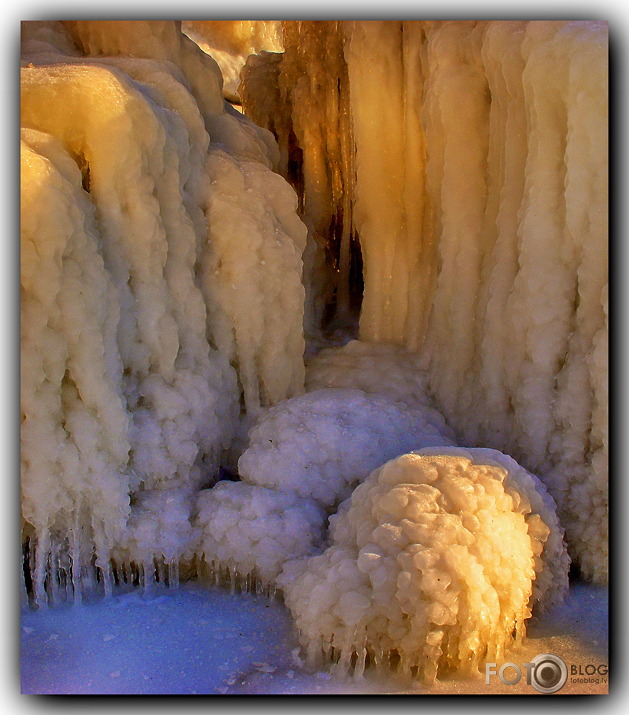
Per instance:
(129,158)
(164,42)
(432,566)
(385,369)
(230,43)
(169,273)
(256,211)
(248,532)
(302,96)
(480,202)
(75,425)
(322,444)
(159,538)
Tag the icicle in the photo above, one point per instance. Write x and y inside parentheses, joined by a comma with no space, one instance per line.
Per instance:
(54,591)
(145,580)
(173,573)
(75,558)
(361,659)
(24,598)
(313,653)
(42,551)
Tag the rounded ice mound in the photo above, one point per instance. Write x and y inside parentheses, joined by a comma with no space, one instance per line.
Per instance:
(248,532)
(323,443)
(431,567)
(159,535)
(381,368)
(532,499)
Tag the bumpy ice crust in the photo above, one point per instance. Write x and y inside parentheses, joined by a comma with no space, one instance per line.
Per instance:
(250,531)
(381,368)
(432,565)
(322,444)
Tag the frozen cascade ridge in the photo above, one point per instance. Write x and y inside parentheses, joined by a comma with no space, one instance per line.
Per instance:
(189,280)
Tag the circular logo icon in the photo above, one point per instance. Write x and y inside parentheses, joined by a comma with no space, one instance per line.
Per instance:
(549,673)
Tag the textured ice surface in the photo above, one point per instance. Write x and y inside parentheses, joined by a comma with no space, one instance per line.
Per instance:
(431,568)
(251,276)
(323,443)
(75,427)
(159,534)
(162,282)
(250,531)
(302,96)
(481,203)
(231,42)
(382,368)
(146,206)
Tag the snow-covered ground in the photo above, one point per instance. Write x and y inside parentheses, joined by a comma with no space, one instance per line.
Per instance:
(206,640)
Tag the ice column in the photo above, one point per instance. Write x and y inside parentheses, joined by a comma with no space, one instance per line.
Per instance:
(303,97)
(393,215)
(75,428)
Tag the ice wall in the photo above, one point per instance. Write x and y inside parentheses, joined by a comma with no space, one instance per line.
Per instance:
(162,260)
(302,96)
(146,207)
(231,42)
(479,153)
(75,427)
(526,269)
